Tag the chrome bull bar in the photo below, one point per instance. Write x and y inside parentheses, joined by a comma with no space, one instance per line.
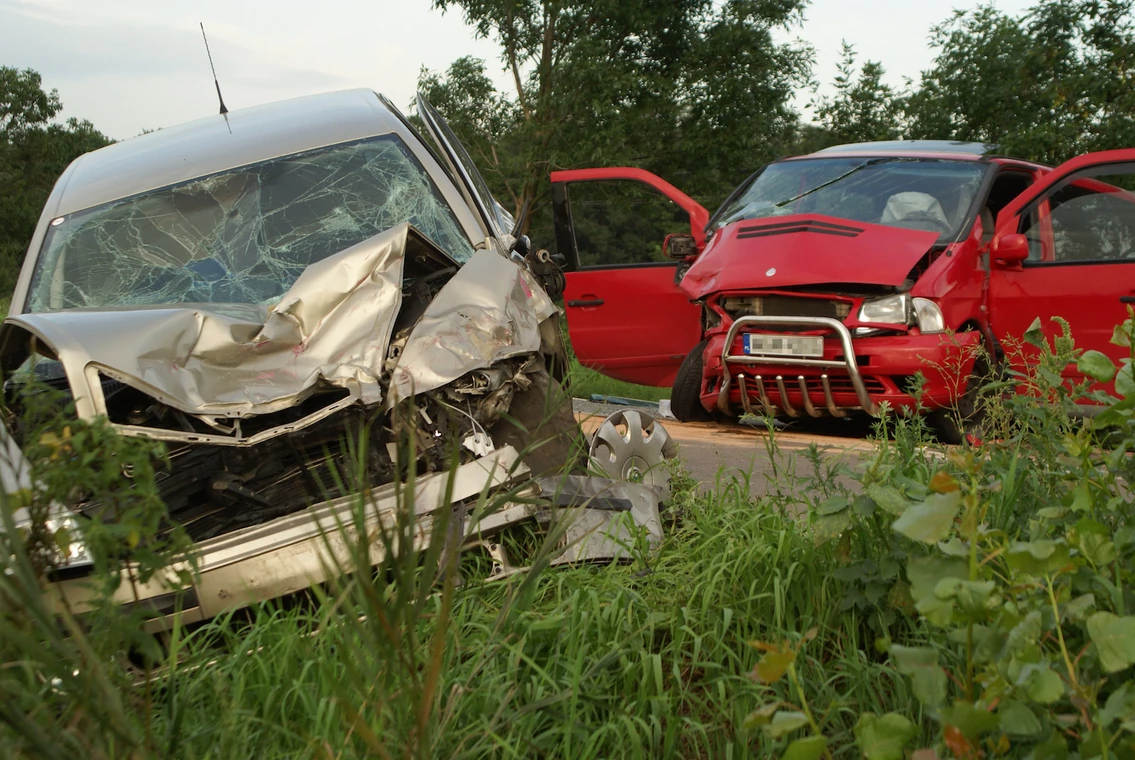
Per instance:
(847,363)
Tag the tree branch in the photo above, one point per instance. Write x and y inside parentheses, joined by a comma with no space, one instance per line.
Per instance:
(510,48)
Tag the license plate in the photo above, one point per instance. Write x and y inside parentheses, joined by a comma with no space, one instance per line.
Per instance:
(784,345)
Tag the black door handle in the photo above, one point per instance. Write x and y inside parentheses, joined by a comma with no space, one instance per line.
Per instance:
(595,302)
(1127,299)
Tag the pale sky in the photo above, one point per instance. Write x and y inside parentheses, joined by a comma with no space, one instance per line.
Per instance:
(129,65)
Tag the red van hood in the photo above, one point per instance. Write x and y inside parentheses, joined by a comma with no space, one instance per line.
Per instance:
(786,251)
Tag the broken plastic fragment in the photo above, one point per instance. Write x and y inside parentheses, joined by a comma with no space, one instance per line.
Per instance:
(479,443)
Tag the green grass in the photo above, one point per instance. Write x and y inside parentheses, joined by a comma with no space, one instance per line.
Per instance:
(812,604)
(586,381)
(647,659)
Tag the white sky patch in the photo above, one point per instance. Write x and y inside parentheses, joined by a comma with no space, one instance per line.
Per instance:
(895,33)
(129,65)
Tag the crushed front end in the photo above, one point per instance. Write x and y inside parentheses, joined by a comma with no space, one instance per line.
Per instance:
(815,316)
(383,363)
(813,354)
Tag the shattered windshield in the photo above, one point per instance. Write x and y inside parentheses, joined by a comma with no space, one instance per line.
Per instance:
(242,236)
(924,194)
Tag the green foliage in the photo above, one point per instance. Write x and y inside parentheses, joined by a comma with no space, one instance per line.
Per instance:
(33,153)
(23,103)
(84,465)
(695,91)
(1046,85)
(862,109)
(622,222)
(1019,567)
(585,662)
(484,119)
(884,738)
(585,382)
(67,690)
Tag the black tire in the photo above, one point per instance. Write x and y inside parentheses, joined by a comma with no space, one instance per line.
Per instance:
(685,398)
(541,426)
(955,424)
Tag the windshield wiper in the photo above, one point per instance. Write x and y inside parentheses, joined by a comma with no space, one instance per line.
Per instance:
(845,175)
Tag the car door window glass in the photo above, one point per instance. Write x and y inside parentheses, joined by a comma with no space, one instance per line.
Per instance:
(622,222)
(500,221)
(1033,229)
(1092,217)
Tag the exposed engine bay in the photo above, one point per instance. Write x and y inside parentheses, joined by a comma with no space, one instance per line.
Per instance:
(213,489)
(232,468)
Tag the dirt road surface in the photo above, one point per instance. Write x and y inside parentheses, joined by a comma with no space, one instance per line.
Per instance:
(714,452)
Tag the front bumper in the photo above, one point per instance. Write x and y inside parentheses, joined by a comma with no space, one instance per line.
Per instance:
(853,373)
(295,552)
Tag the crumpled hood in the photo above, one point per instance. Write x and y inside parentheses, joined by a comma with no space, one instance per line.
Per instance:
(788,251)
(491,309)
(332,326)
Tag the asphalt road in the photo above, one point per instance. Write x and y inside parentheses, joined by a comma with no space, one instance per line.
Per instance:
(715,452)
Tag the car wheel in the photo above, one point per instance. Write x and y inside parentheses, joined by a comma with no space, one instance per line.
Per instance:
(964,421)
(685,398)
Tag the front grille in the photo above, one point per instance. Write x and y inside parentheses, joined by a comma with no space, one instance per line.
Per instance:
(214,489)
(785,306)
(839,384)
(843,391)
(788,228)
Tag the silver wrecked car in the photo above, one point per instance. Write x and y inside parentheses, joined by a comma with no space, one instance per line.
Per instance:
(255,288)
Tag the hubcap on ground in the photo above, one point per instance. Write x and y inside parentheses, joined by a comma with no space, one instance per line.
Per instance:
(632,445)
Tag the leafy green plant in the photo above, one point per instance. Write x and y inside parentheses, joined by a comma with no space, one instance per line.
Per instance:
(1014,568)
(65,687)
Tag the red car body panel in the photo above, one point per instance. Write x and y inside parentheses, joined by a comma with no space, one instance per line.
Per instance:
(1093,296)
(1039,293)
(983,301)
(804,250)
(631,324)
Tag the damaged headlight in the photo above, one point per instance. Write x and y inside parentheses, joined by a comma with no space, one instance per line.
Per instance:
(67,538)
(888,310)
(929,316)
(901,309)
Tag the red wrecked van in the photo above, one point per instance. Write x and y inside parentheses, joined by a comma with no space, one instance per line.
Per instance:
(826,282)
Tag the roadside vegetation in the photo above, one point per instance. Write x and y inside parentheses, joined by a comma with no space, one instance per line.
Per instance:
(968,603)
(586,382)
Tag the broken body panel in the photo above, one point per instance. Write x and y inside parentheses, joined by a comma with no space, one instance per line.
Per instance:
(601,520)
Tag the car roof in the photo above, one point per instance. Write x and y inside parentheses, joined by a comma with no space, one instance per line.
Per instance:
(913,148)
(218,143)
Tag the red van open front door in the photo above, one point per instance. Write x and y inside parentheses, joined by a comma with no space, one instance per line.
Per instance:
(626,315)
(1066,248)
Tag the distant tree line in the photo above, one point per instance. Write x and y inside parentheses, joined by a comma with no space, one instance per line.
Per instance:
(696,91)
(700,94)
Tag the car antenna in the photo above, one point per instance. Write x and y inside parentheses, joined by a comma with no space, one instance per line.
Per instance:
(217,84)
